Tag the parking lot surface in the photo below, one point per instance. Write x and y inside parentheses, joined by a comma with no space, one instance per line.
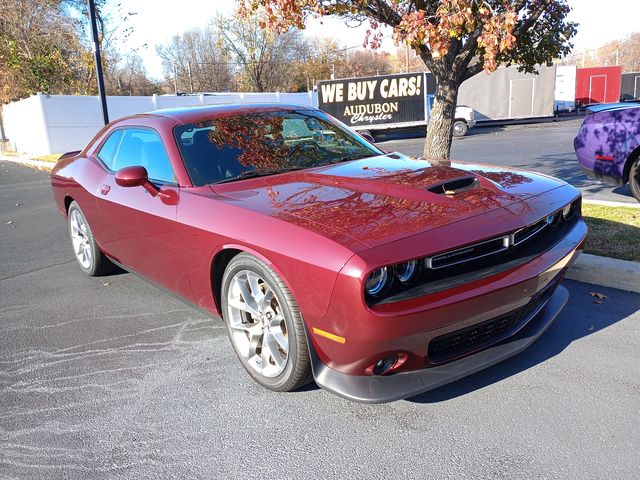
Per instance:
(112,378)
(540,147)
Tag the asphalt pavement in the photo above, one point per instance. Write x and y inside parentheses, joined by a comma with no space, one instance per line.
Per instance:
(540,147)
(112,378)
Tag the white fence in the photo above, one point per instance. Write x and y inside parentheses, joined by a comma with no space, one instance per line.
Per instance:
(44,124)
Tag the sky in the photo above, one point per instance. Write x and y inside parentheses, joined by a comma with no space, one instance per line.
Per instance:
(159,20)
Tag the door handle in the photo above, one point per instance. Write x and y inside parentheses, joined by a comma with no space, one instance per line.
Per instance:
(104,189)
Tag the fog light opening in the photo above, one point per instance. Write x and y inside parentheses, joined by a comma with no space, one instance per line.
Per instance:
(384,365)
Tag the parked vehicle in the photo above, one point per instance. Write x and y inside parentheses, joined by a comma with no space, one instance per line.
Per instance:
(464,120)
(378,275)
(465,117)
(608,145)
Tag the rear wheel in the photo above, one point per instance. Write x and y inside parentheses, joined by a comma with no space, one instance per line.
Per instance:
(634,178)
(87,252)
(264,325)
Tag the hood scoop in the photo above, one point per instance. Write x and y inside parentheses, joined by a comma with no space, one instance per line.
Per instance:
(455,186)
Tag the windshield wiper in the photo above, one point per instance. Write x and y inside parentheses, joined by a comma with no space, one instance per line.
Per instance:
(259,172)
(353,157)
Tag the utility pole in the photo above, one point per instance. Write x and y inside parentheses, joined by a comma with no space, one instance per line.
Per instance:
(190,78)
(175,78)
(96,56)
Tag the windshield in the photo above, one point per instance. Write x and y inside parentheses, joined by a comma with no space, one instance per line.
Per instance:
(225,148)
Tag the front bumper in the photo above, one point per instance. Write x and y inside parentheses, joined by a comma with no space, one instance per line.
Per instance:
(380,389)
(609,178)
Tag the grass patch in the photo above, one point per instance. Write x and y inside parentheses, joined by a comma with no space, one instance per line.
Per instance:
(11,154)
(613,231)
(48,158)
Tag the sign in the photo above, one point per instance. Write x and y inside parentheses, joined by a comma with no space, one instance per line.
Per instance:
(386,99)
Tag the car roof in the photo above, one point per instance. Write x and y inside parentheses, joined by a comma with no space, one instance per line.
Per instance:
(606,107)
(193,114)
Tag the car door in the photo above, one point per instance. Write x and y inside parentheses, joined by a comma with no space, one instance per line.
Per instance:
(137,228)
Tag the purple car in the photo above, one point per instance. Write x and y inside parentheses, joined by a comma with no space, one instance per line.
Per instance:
(608,145)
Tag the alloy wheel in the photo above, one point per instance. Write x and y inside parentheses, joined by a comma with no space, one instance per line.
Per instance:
(80,239)
(257,323)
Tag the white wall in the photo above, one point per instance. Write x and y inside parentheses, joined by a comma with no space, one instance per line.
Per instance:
(44,124)
(24,125)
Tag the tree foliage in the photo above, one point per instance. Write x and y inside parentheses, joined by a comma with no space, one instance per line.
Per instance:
(264,59)
(195,62)
(624,52)
(233,53)
(456,39)
(38,48)
(44,47)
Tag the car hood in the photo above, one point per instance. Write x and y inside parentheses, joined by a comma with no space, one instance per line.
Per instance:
(381,199)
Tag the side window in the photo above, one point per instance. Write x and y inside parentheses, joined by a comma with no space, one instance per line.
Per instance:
(109,148)
(144,147)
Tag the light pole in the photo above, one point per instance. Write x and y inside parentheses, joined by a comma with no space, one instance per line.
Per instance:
(96,56)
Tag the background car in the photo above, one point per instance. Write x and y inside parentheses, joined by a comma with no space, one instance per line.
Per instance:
(378,275)
(608,145)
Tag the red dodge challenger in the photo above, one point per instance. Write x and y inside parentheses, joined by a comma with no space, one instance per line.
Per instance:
(377,275)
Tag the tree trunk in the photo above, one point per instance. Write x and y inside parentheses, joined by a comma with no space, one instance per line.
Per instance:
(437,145)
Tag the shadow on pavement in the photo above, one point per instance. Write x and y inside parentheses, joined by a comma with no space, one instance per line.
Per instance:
(565,167)
(580,318)
(623,190)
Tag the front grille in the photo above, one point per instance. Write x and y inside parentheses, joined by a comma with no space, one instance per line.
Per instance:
(460,342)
(469,253)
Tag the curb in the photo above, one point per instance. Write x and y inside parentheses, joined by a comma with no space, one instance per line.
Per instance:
(39,164)
(606,272)
(607,203)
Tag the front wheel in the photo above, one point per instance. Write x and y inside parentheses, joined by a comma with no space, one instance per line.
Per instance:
(87,252)
(634,179)
(460,128)
(264,325)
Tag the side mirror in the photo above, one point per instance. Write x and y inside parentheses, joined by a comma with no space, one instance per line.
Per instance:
(136,177)
(368,137)
(132,176)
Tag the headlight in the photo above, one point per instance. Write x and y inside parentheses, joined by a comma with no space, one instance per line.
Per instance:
(407,272)
(567,211)
(378,281)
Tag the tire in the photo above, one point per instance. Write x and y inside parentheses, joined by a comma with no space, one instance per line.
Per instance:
(460,128)
(87,252)
(634,179)
(267,331)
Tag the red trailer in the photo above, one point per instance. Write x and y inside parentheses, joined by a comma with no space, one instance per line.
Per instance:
(598,85)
